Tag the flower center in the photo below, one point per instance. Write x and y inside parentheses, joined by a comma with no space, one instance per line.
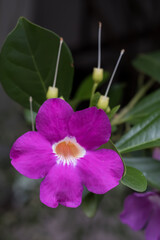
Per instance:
(68,151)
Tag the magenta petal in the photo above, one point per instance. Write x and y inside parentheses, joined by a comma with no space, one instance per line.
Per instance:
(32,155)
(101,170)
(62,186)
(52,119)
(137,210)
(153,228)
(91,127)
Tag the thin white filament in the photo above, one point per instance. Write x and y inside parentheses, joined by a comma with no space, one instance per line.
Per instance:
(114,71)
(57,64)
(31,112)
(99,45)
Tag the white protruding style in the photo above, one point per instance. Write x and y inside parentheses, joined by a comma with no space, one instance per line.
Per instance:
(114,71)
(97,74)
(31,112)
(57,64)
(99,45)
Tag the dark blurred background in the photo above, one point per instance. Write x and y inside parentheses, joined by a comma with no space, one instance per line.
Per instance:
(130,24)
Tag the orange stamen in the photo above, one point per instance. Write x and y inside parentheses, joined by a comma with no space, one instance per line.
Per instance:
(67,149)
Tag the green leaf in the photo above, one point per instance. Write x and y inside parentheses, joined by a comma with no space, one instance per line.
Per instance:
(149,167)
(116,94)
(113,111)
(143,135)
(27,64)
(134,179)
(84,91)
(149,64)
(144,108)
(91,203)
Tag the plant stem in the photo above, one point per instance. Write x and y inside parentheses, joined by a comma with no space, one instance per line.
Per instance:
(95,85)
(120,117)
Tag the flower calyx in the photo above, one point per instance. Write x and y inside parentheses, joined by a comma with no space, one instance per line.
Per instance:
(97,75)
(103,103)
(52,92)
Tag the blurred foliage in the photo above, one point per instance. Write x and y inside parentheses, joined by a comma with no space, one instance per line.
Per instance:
(27,66)
(149,64)
(149,167)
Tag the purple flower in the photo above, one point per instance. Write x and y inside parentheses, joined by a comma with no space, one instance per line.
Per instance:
(156,153)
(142,210)
(63,151)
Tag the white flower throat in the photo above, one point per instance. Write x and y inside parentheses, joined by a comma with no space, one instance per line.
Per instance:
(68,151)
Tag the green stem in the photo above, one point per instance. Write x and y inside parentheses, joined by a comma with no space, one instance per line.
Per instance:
(95,85)
(140,80)
(120,117)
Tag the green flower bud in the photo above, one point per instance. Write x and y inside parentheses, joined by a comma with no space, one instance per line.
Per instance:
(103,102)
(97,75)
(52,93)
(61,97)
(108,109)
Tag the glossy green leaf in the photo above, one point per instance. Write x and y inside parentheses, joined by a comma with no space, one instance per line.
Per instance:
(149,64)
(143,135)
(134,179)
(84,91)
(149,167)
(144,108)
(27,64)
(91,203)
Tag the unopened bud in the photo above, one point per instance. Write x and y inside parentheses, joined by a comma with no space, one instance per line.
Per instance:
(52,93)
(61,97)
(97,75)
(108,109)
(103,102)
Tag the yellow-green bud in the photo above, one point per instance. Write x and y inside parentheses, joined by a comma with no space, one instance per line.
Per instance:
(108,109)
(61,97)
(52,92)
(103,102)
(97,75)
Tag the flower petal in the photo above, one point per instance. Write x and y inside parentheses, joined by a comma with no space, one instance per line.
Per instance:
(32,155)
(100,170)
(137,210)
(156,153)
(152,231)
(62,186)
(52,119)
(91,127)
